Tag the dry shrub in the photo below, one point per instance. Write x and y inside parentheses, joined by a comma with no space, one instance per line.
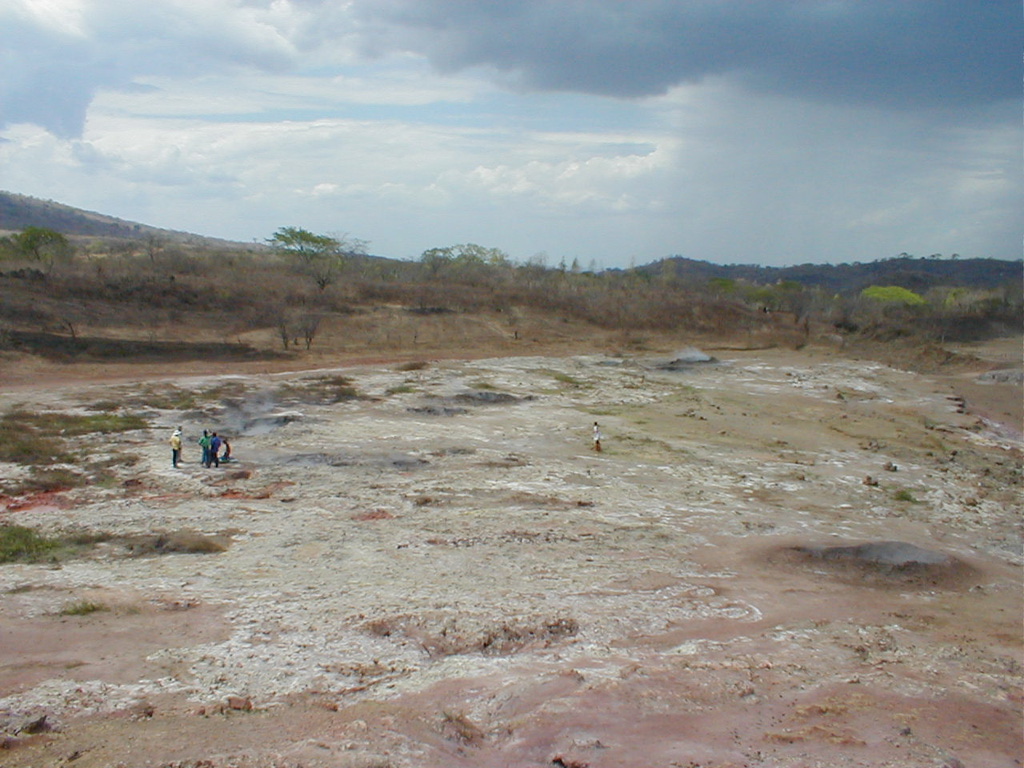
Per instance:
(458,727)
(454,635)
(178,542)
(52,480)
(82,608)
(323,390)
(413,365)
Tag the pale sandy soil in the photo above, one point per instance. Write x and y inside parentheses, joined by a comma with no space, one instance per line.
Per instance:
(420,577)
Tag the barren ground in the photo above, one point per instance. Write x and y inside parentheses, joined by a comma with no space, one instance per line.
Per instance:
(441,572)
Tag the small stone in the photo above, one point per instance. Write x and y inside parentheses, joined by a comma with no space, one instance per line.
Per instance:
(239,703)
(39,725)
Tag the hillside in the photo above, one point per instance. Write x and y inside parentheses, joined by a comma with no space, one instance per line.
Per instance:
(915,274)
(20,211)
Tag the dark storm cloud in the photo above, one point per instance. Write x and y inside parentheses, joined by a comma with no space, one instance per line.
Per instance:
(887,52)
(893,52)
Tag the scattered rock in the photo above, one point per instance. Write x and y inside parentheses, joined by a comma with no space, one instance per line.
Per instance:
(564,761)
(39,725)
(239,703)
(437,410)
(1003,377)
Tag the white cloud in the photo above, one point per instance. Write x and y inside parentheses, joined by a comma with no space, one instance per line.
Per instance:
(63,16)
(232,118)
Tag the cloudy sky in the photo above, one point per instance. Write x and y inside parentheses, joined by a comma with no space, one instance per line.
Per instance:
(614,132)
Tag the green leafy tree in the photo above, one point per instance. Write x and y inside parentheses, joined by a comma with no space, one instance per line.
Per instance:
(892,294)
(303,245)
(466,260)
(40,244)
(436,260)
(322,257)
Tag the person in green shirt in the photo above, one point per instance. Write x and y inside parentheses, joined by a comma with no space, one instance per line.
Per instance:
(204,443)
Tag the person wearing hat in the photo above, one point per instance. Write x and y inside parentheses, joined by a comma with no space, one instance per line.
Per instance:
(176,447)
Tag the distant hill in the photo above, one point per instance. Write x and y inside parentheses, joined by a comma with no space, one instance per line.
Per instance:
(916,274)
(20,211)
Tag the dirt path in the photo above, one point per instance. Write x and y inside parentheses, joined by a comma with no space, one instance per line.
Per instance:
(441,572)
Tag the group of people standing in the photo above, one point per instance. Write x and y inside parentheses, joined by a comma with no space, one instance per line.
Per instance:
(210,443)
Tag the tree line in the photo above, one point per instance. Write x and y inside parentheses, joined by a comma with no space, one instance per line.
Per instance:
(297,278)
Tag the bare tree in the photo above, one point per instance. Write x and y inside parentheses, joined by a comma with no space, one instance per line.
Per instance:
(308,325)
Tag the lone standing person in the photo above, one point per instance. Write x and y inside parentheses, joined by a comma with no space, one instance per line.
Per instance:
(597,438)
(176,447)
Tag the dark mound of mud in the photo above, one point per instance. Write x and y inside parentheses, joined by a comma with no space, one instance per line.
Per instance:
(686,360)
(399,461)
(437,410)
(880,563)
(488,398)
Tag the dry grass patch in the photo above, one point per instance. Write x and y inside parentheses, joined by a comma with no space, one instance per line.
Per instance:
(322,390)
(176,542)
(39,438)
(21,544)
(413,365)
(24,545)
(82,608)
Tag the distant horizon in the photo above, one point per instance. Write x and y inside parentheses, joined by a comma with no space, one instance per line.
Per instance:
(583,267)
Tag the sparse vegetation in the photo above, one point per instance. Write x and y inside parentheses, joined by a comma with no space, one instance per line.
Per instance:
(21,444)
(40,438)
(49,479)
(904,495)
(322,389)
(21,544)
(291,293)
(413,365)
(82,608)
(564,378)
(177,542)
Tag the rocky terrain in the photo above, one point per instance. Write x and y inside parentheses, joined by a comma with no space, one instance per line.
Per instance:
(778,558)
